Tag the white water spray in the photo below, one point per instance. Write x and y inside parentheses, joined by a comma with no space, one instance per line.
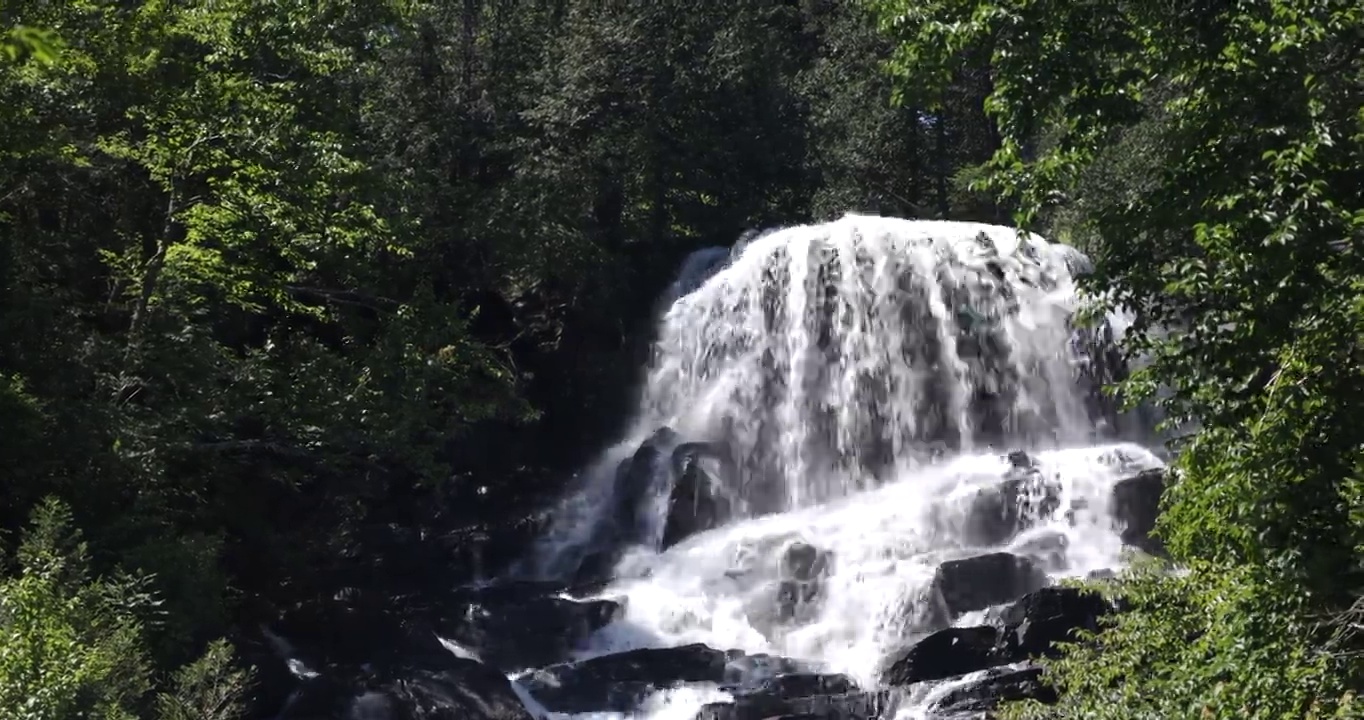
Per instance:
(864,377)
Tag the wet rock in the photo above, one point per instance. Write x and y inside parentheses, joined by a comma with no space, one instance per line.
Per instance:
(448,689)
(1029,628)
(356,642)
(976,583)
(1103,365)
(791,695)
(799,685)
(353,627)
(509,592)
(634,477)
(489,548)
(697,503)
(321,697)
(1036,623)
(803,567)
(595,569)
(1020,460)
(801,570)
(1074,514)
(998,686)
(947,653)
(274,682)
(845,706)
(1047,550)
(1023,500)
(1136,505)
(513,631)
(745,670)
(618,682)
(804,562)
(720,452)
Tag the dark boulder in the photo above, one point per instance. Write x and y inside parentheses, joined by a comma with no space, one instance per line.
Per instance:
(1023,500)
(321,697)
(720,452)
(646,469)
(1020,460)
(944,654)
(746,670)
(274,680)
(804,562)
(1135,507)
(803,568)
(805,684)
(449,696)
(1047,549)
(698,502)
(790,694)
(1028,628)
(357,626)
(845,706)
(1037,622)
(386,653)
(449,689)
(595,570)
(508,591)
(618,682)
(487,548)
(634,478)
(514,630)
(998,686)
(979,582)
(801,571)
(316,649)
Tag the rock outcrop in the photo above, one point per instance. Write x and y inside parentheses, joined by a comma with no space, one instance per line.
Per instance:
(1022,631)
(1135,507)
(981,581)
(1021,501)
(514,627)
(698,501)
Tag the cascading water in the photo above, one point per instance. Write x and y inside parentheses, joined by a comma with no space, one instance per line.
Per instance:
(854,386)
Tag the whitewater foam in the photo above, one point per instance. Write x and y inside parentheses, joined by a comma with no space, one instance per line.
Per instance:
(885,545)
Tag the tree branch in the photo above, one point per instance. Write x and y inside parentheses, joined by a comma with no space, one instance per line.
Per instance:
(347,297)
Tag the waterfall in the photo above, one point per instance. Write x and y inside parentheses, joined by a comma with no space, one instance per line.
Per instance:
(856,385)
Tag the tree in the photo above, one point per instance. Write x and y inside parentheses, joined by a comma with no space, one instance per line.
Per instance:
(212,320)
(23,42)
(1235,236)
(72,641)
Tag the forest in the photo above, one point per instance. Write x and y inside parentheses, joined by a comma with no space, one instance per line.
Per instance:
(308,297)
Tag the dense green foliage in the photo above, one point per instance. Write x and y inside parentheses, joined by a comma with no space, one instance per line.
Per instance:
(74,643)
(1211,159)
(71,641)
(285,285)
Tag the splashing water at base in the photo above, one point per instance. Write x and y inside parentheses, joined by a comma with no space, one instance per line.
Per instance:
(862,379)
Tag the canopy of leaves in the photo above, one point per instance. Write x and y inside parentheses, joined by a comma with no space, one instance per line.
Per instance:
(74,642)
(22,43)
(1209,158)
